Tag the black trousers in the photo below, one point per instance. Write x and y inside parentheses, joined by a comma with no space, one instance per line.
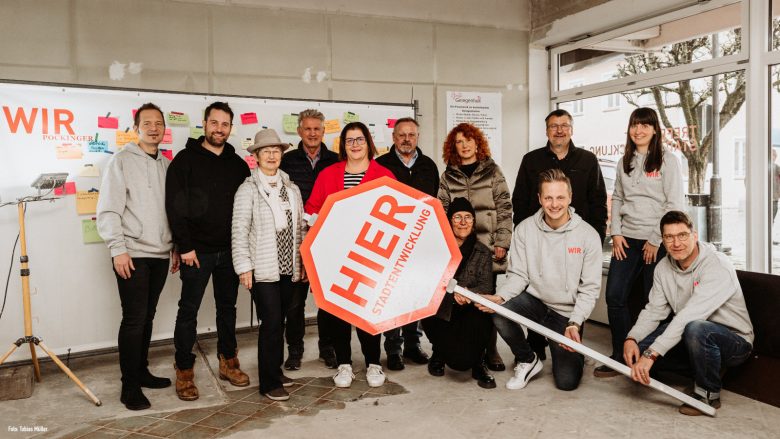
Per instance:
(296,319)
(341,332)
(219,267)
(272,301)
(460,342)
(139,296)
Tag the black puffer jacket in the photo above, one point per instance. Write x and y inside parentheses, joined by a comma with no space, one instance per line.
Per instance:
(423,175)
(297,165)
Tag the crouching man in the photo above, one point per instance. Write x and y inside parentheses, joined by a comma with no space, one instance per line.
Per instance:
(553,278)
(711,327)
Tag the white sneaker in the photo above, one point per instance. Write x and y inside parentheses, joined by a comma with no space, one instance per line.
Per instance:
(374,375)
(344,376)
(523,373)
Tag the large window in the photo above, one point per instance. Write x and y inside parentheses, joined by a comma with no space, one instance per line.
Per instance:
(681,41)
(685,109)
(774,157)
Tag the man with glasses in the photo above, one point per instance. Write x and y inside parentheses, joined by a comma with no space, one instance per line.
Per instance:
(303,164)
(201,183)
(553,278)
(711,328)
(589,194)
(410,166)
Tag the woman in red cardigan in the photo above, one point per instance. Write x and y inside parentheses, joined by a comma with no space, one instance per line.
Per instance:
(356,165)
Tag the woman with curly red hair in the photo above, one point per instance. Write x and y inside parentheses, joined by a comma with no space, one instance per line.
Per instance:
(473,175)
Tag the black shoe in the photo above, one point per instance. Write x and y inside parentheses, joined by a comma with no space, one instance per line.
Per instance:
(436,367)
(483,377)
(395,362)
(133,398)
(495,363)
(152,382)
(287,381)
(605,372)
(329,357)
(292,363)
(416,354)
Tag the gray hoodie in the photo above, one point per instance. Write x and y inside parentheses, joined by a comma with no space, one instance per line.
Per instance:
(131,208)
(560,267)
(707,290)
(641,198)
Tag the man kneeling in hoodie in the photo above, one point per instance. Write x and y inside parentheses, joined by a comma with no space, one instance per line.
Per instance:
(553,278)
(711,327)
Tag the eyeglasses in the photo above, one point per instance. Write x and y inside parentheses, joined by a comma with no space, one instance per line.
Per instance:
(270,151)
(682,237)
(556,127)
(468,219)
(356,140)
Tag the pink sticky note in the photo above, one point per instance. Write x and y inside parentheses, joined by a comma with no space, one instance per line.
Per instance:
(167,153)
(68,189)
(167,137)
(108,122)
(135,110)
(250,160)
(248,118)
(391,123)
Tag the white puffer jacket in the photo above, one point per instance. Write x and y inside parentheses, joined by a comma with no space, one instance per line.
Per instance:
(254,232)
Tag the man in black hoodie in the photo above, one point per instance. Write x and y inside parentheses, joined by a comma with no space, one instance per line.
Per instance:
(201,183)
(303,165)
(407,162)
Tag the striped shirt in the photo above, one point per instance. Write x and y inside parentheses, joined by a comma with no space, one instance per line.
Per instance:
(352,180)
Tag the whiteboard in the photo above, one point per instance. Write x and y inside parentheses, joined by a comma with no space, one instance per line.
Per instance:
(62,128)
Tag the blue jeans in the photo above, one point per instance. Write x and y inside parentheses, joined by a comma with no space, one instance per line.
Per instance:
(622,276)
(567,366)
(407,336)
(194,280)
(706,347)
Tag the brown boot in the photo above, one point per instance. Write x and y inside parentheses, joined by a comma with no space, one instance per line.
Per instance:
(229,370)
(185,386)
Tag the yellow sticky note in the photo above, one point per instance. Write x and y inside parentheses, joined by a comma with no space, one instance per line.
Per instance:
(89,231)
(246,143)
(69,151)
(178,119)
(196,132)
(290,123)
(123,138)
(332,126)
(86,202)
(336,146)
(350,117)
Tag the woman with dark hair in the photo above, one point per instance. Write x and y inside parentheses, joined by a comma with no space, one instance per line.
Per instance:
(356,165)
(473,175)
(647,185)
(459,332)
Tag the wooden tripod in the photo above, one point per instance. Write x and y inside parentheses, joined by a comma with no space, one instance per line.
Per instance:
(28,334)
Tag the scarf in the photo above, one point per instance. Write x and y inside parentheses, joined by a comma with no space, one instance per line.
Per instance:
(270,189)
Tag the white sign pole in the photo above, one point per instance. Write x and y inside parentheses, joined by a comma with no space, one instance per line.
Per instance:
(560,338)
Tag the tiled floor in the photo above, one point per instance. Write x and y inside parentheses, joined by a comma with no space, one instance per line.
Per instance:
(246,411)
(411,405)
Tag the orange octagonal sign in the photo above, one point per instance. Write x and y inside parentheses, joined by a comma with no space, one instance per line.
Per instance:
(380,255)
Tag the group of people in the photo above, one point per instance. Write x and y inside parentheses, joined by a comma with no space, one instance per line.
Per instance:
(208,216)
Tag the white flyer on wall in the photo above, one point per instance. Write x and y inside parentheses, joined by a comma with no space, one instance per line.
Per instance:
(481,109)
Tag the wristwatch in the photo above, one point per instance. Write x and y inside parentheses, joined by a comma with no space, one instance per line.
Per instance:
(651,354)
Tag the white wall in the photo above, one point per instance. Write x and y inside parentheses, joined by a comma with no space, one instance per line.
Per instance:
(370,51)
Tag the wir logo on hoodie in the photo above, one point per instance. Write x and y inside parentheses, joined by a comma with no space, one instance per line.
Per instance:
(575,250)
